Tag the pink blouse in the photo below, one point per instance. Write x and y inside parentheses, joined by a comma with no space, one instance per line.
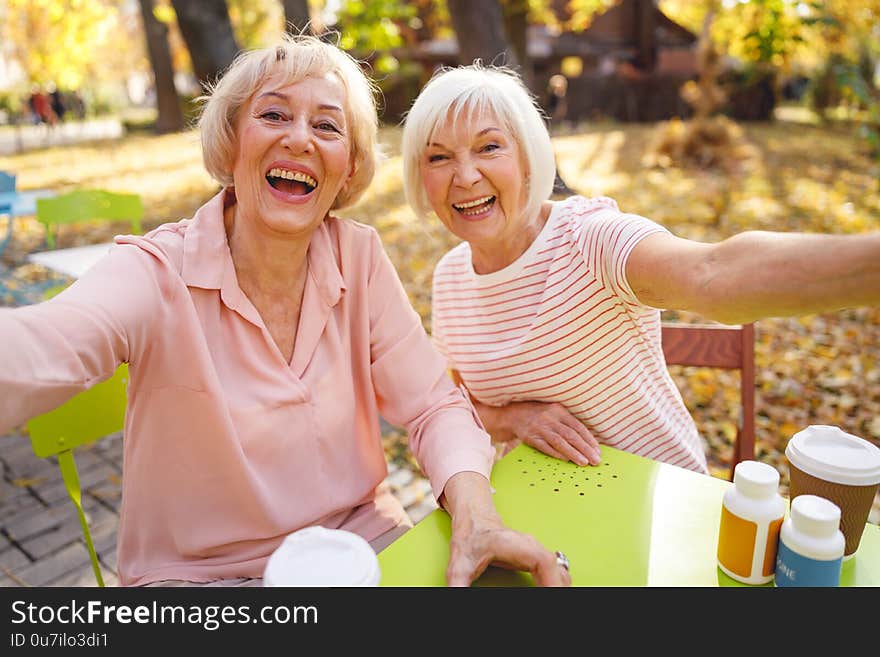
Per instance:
(227,447)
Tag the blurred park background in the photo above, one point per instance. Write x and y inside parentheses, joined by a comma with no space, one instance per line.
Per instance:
(709,117)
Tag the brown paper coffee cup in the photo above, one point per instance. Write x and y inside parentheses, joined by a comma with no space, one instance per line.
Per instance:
(845,469)
(854,502)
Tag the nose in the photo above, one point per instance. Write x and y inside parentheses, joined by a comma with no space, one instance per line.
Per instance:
(467,173)
(298,136)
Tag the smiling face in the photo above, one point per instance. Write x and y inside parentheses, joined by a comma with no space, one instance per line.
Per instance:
(294,154)
(474,177)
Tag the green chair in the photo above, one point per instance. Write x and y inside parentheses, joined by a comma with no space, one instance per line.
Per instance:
(89,416)
(89,205)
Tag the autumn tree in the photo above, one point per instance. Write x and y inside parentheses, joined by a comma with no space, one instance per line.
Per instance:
(208,34)
(515,15)
(170,116)
(479,30)
(370,30)
(846,74)
(708,141)
(646,30)
(65,42)
(296,16)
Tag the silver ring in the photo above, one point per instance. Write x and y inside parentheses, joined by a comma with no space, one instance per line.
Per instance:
(561,559)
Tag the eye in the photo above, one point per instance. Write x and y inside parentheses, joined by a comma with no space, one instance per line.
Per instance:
(436,157)
(327,126)
(272,115)
(488,148)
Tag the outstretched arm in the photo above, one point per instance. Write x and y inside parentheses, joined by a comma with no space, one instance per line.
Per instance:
(757,274)
(56,349)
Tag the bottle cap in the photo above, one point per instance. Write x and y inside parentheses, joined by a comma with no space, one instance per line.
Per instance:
(756,479)
(815,515)
(318,556)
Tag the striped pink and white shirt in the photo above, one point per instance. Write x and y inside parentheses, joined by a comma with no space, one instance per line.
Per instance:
(561,324)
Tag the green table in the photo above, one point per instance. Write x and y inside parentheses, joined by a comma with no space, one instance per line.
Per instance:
(628,522)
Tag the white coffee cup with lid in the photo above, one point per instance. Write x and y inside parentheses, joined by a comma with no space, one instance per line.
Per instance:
(845,469)
(318,556)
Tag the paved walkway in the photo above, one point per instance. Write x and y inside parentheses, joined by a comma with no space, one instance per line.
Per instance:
(17,139)
(41,542)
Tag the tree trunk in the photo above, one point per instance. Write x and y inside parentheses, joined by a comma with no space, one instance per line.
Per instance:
(646,58)
(207,31)
(516,23)
(707,97)
(296,16)
(170,118)
(479,30)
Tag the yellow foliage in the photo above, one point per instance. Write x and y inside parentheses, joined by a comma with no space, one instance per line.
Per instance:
(67,42)
(714,143)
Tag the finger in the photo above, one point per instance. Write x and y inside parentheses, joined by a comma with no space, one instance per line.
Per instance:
(590,453)
(548,572)
(543,446)
(566,441)
(523,552)
(580,438)
(585,442)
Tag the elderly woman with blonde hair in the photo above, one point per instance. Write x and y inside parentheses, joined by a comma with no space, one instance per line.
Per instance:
(264,337)
(549,312)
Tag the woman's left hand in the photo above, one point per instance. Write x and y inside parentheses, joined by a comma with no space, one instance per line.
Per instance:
(487,541)
(481,539)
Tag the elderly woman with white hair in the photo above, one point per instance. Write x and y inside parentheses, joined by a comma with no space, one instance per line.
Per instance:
(548,312)
(264,337)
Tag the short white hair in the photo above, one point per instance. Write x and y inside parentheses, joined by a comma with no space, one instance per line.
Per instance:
(459,93)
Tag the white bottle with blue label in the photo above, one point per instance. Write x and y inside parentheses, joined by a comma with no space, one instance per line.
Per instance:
(810,544)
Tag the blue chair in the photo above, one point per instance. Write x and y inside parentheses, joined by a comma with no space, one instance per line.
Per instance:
(13,203)
(7,182)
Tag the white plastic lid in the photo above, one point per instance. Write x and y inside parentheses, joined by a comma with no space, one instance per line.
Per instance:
(815,515)
(756,479)
(828,453)
(317,556)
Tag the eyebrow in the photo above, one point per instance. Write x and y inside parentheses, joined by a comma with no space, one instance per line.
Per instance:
(285,97)
(482,132)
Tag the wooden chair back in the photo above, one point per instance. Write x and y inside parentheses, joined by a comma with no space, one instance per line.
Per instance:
(723,347)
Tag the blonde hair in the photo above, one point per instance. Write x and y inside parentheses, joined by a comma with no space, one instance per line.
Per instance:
(453,94)
(294,58)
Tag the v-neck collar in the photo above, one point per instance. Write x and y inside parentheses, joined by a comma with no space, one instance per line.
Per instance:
(207,264)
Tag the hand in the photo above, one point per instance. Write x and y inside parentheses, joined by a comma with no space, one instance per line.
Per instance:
(479,542)
(552,429)
(479,538)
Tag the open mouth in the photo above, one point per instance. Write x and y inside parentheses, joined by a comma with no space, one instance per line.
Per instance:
(295,183)
(476,207)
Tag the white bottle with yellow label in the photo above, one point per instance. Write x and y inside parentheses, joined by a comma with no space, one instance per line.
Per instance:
(751,516)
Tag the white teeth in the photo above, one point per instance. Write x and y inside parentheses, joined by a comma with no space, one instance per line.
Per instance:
(298,176)
(472,204)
